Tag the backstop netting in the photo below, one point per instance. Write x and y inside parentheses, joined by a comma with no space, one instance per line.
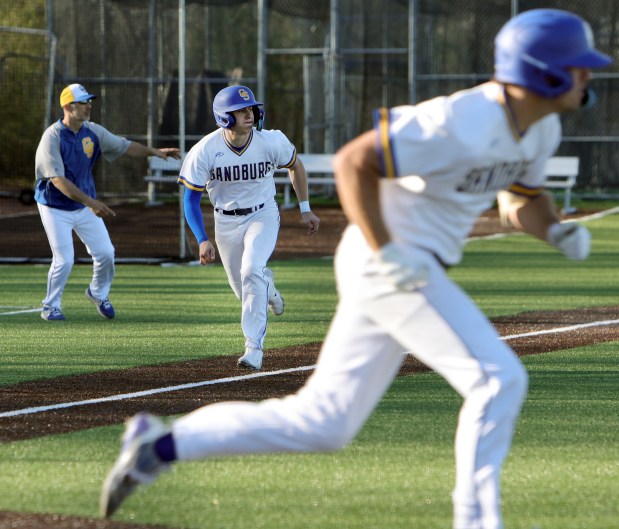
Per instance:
(320,66)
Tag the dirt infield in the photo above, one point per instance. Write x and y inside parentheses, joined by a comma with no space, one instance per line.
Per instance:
(292,243)
(141,232)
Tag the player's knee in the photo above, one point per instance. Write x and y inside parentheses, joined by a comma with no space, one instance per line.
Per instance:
(513,384)
(518,381)
(333,428)
(332,438)
(63,262)
(105,256)
(252,278)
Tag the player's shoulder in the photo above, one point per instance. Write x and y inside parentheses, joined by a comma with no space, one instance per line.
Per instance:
(212,137)
(53,133)
(439,110)
(478,102)
(463,112)
(54,129)
(207,146)
(96,128)
(270,134)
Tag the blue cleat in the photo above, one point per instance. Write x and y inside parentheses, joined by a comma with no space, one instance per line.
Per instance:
(52,313)
(104,307)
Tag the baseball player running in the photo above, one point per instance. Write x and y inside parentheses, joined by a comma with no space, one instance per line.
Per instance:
(235,165)
(412,189)
(66,197)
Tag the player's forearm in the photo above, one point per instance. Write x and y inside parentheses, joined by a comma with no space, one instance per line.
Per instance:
(137,150)
(535,216)
(298,178)
(193,215)
(69,189)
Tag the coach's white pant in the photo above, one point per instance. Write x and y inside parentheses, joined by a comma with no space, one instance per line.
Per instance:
(362,353)
(245,244)
(59,226)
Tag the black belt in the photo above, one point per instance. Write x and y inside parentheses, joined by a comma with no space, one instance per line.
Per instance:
(437,258)
(441,262)
(239,212)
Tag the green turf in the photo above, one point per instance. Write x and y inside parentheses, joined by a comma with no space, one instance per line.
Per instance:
(163,315)
(398,473)
(563,470)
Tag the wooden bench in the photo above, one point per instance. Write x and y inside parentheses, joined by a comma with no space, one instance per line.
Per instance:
(561,173)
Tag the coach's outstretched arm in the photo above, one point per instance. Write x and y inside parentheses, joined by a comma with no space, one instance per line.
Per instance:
(137,150)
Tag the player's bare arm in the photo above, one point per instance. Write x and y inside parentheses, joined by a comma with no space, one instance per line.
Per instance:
(298,178)
(137,150)
(69,189)
(530,215)
(538,217)
(357,177)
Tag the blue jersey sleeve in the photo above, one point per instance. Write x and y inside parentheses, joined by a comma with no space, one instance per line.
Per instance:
(193,214)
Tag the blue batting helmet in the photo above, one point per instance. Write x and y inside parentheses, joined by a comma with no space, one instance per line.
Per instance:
(234,98)
(535,49)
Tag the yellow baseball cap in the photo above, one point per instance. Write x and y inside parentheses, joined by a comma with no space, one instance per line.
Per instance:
(74,93)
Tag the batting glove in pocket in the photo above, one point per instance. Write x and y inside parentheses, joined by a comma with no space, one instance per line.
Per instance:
(399,269)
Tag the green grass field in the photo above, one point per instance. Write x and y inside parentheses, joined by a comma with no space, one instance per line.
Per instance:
(563,470)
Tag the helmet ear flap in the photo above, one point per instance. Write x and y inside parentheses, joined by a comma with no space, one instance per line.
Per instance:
(234,98)
(258,116)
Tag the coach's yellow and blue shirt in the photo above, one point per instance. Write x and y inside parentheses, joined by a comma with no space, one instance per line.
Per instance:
(62,152)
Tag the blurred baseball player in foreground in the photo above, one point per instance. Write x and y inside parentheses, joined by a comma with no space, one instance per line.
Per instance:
(66,197)
(235,165)
(412,189)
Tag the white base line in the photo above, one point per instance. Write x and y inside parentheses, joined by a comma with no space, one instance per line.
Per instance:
(145,393)
(19,312)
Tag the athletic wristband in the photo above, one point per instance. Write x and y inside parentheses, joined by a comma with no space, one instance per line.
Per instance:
(304,206)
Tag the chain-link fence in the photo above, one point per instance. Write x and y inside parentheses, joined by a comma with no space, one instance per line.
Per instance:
(320,66)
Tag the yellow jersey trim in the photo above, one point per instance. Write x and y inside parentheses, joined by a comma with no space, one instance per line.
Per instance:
(385,144)
(184,182)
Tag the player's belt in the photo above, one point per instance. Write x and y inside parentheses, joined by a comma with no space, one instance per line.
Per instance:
(239,212)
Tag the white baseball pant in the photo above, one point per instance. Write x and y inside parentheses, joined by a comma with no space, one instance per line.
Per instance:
(245,244)
(362,352)
(59,225)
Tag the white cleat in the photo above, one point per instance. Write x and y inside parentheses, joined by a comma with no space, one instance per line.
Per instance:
(137,463)
(276,303)
(251,359)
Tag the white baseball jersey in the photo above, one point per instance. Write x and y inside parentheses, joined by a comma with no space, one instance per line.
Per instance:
(451,155)
(237,177)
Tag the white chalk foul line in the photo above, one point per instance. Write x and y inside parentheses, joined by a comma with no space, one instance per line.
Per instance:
(155,391)
(19,312)
(148,392)
(562,329)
